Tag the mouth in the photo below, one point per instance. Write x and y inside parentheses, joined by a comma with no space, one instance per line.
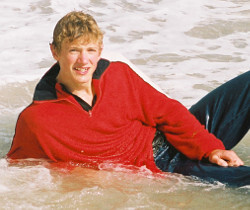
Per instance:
(82,70)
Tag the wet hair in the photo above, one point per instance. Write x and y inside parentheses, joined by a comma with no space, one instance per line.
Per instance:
(76,25)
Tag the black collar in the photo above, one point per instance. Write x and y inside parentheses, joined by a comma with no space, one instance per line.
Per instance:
(45,89)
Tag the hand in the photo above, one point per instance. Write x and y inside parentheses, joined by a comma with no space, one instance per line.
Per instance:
(225,158)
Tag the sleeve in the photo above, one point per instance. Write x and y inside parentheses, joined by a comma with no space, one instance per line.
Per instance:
(25,144)
(180,127)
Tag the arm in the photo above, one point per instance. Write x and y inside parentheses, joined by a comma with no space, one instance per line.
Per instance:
(180,127)
(25,144)
(215,154)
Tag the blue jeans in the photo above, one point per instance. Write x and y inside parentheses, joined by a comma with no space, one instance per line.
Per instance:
(225,112)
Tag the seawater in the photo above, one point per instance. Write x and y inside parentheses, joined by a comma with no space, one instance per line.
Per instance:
(186,47)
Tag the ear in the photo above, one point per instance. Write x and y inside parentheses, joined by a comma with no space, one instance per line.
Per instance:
(100,50)
(54,52)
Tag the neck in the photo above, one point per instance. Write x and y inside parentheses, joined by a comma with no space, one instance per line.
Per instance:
(85,94)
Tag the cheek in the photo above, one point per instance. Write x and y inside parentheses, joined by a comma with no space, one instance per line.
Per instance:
(70,59)
(94,59)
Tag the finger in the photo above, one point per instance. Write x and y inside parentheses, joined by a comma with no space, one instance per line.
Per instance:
(217,160)
(232,158)
(222,162)
(235,162)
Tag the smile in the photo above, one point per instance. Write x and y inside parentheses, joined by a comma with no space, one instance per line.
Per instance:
(82,69)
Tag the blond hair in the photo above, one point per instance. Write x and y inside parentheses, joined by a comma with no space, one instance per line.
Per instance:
(75,25)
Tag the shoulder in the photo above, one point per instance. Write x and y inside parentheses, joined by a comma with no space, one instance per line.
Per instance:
(25,120)
(35,113)
(120,68)
(28,114)
(105,65)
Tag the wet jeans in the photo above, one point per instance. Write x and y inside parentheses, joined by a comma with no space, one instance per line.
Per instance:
(225,112)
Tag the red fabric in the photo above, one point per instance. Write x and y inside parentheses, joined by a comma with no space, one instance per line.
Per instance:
(120,128)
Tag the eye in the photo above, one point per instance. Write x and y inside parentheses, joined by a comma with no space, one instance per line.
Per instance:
(73,50)
(92,49)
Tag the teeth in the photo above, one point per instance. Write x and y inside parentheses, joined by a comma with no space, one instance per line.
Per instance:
(81,69)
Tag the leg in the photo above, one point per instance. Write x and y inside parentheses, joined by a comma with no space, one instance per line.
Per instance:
(225,112)
(233,176)
(168,159)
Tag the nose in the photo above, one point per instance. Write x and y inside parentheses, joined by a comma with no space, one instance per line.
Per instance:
(83,57)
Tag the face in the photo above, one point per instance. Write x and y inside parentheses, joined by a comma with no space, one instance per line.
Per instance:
(78,62)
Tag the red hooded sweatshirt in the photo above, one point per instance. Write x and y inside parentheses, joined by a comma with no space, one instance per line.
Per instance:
(119,129)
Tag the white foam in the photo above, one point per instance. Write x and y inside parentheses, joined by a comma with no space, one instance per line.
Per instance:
(4,189)
(160,38)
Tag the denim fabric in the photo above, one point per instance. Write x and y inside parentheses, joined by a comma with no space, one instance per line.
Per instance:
(225,112)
